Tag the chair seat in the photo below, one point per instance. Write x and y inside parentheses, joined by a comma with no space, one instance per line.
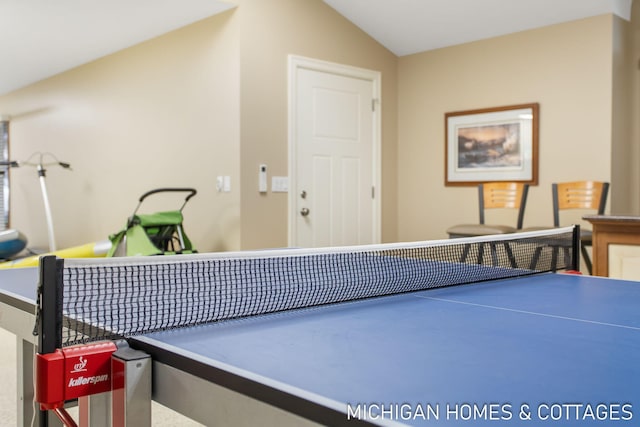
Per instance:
(472,230)
(586,236)
(537,228)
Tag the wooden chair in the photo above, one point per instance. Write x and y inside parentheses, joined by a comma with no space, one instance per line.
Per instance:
(584,195)
(494,195)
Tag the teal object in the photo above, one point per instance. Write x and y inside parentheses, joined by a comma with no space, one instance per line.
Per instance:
(12,242)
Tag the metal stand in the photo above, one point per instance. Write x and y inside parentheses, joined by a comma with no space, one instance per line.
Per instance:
(131,391)
(42,173)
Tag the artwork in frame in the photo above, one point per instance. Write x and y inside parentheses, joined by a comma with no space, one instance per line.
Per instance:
(491,145)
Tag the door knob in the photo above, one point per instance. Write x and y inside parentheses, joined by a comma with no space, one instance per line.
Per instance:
(304,211)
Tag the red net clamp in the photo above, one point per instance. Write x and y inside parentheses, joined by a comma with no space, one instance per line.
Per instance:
(73,372)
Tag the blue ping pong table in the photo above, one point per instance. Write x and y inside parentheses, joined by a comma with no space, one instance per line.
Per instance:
(549,349)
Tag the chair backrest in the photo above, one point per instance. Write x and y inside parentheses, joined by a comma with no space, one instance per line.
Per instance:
(503,195)
(579,195)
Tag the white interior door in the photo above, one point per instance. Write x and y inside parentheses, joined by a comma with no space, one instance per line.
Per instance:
(334,153)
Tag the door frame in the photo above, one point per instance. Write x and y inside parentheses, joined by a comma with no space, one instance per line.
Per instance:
(299,62)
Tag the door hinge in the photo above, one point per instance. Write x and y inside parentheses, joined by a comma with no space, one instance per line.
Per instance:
(373,192)
(374,101)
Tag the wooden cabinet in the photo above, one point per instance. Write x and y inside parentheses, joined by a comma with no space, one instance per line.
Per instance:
(616,246)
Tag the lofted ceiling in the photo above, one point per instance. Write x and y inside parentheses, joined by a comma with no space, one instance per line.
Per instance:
(41,38)
(410,26)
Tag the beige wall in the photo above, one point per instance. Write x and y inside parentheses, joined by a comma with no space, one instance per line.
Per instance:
(565,68)
(207,100)
(624,147)
(270,31)
(162,113)
(211,99)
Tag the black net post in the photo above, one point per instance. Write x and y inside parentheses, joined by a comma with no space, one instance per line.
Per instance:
(49,308)
(49,311)
(576,248)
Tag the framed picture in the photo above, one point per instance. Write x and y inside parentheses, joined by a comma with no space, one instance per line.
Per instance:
(492,144)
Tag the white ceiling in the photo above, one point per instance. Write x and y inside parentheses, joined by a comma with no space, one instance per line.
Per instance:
(410,26)
(41,38)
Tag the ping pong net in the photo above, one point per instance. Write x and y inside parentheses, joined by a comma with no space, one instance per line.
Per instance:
(97,299)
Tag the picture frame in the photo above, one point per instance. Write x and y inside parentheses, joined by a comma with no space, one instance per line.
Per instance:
(492,145)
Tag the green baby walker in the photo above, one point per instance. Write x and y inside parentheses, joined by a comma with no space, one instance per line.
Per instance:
(160,233)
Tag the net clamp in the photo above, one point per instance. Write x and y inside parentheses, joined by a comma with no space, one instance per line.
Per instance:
(73,372)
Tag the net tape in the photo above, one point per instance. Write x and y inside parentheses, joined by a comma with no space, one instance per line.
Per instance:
(122,297)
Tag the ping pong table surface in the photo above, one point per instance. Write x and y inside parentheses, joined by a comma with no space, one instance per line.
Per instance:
(557,349)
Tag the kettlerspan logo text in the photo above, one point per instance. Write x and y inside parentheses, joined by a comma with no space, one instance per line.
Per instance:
(75,382)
